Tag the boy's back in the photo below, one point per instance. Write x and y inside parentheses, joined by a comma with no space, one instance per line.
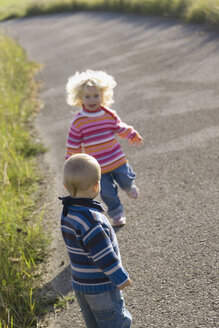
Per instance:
(92,247)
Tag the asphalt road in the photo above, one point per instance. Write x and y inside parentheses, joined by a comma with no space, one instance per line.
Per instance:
(168,89)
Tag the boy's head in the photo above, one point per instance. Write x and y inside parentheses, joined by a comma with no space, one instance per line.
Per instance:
(81,175)
(79,83)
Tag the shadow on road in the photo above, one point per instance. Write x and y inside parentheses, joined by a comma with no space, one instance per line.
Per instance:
(59,286)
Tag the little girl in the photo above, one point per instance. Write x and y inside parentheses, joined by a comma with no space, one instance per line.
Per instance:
(93,131)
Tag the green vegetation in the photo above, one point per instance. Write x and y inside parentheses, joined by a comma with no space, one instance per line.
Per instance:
(199,11)
(62,302)
(22,242)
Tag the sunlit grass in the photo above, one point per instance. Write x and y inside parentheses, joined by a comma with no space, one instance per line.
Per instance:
(22,241)
(199,11)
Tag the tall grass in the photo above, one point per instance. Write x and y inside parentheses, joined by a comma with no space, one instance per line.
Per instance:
(200,11)
(21,239)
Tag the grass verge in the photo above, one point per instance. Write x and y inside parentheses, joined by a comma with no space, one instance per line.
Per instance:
(22,242)
(198,11)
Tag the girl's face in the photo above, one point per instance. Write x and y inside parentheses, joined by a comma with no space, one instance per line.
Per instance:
(91,98)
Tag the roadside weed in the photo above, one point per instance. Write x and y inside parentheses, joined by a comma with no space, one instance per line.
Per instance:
(198,11)
(22,241)
(63,302)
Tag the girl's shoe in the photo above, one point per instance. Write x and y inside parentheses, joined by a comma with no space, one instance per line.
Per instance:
(133,192)
(119,221)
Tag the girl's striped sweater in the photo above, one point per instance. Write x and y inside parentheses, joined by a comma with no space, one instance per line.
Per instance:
(92,247)
(94,134)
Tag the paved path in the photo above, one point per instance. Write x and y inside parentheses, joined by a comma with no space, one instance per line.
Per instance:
(168,88)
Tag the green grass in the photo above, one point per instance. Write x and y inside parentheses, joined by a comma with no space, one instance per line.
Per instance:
(198,11)
(22,241)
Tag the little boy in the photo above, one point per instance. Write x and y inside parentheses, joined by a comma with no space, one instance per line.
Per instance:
(97,272)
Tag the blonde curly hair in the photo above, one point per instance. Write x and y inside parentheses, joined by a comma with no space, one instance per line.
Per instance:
(101,80)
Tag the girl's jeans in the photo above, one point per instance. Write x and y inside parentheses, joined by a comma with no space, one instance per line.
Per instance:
(104,310)
(125,177)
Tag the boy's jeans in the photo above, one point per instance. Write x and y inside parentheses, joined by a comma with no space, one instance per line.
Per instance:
(104,310)
(125,177)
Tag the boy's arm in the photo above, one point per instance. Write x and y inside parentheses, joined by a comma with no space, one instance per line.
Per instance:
(126,131)
(100,247)
(74,141)
(127,283)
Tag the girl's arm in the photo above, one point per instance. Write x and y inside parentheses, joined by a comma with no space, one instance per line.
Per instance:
(126,131)
(74,142)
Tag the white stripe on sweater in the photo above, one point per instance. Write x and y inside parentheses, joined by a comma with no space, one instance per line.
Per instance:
(95,228)
(85,270)
(113,160)
(76,251)
(76,218)
(113,269)
(102,255)
(97,142)
(72,230)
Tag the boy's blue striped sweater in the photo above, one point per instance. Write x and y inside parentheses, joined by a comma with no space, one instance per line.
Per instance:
(92,246)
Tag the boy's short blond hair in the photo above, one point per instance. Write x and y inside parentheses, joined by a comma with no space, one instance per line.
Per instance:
(101,80)
(80,172)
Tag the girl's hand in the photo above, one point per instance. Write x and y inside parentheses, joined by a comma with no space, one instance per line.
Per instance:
(136,140)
